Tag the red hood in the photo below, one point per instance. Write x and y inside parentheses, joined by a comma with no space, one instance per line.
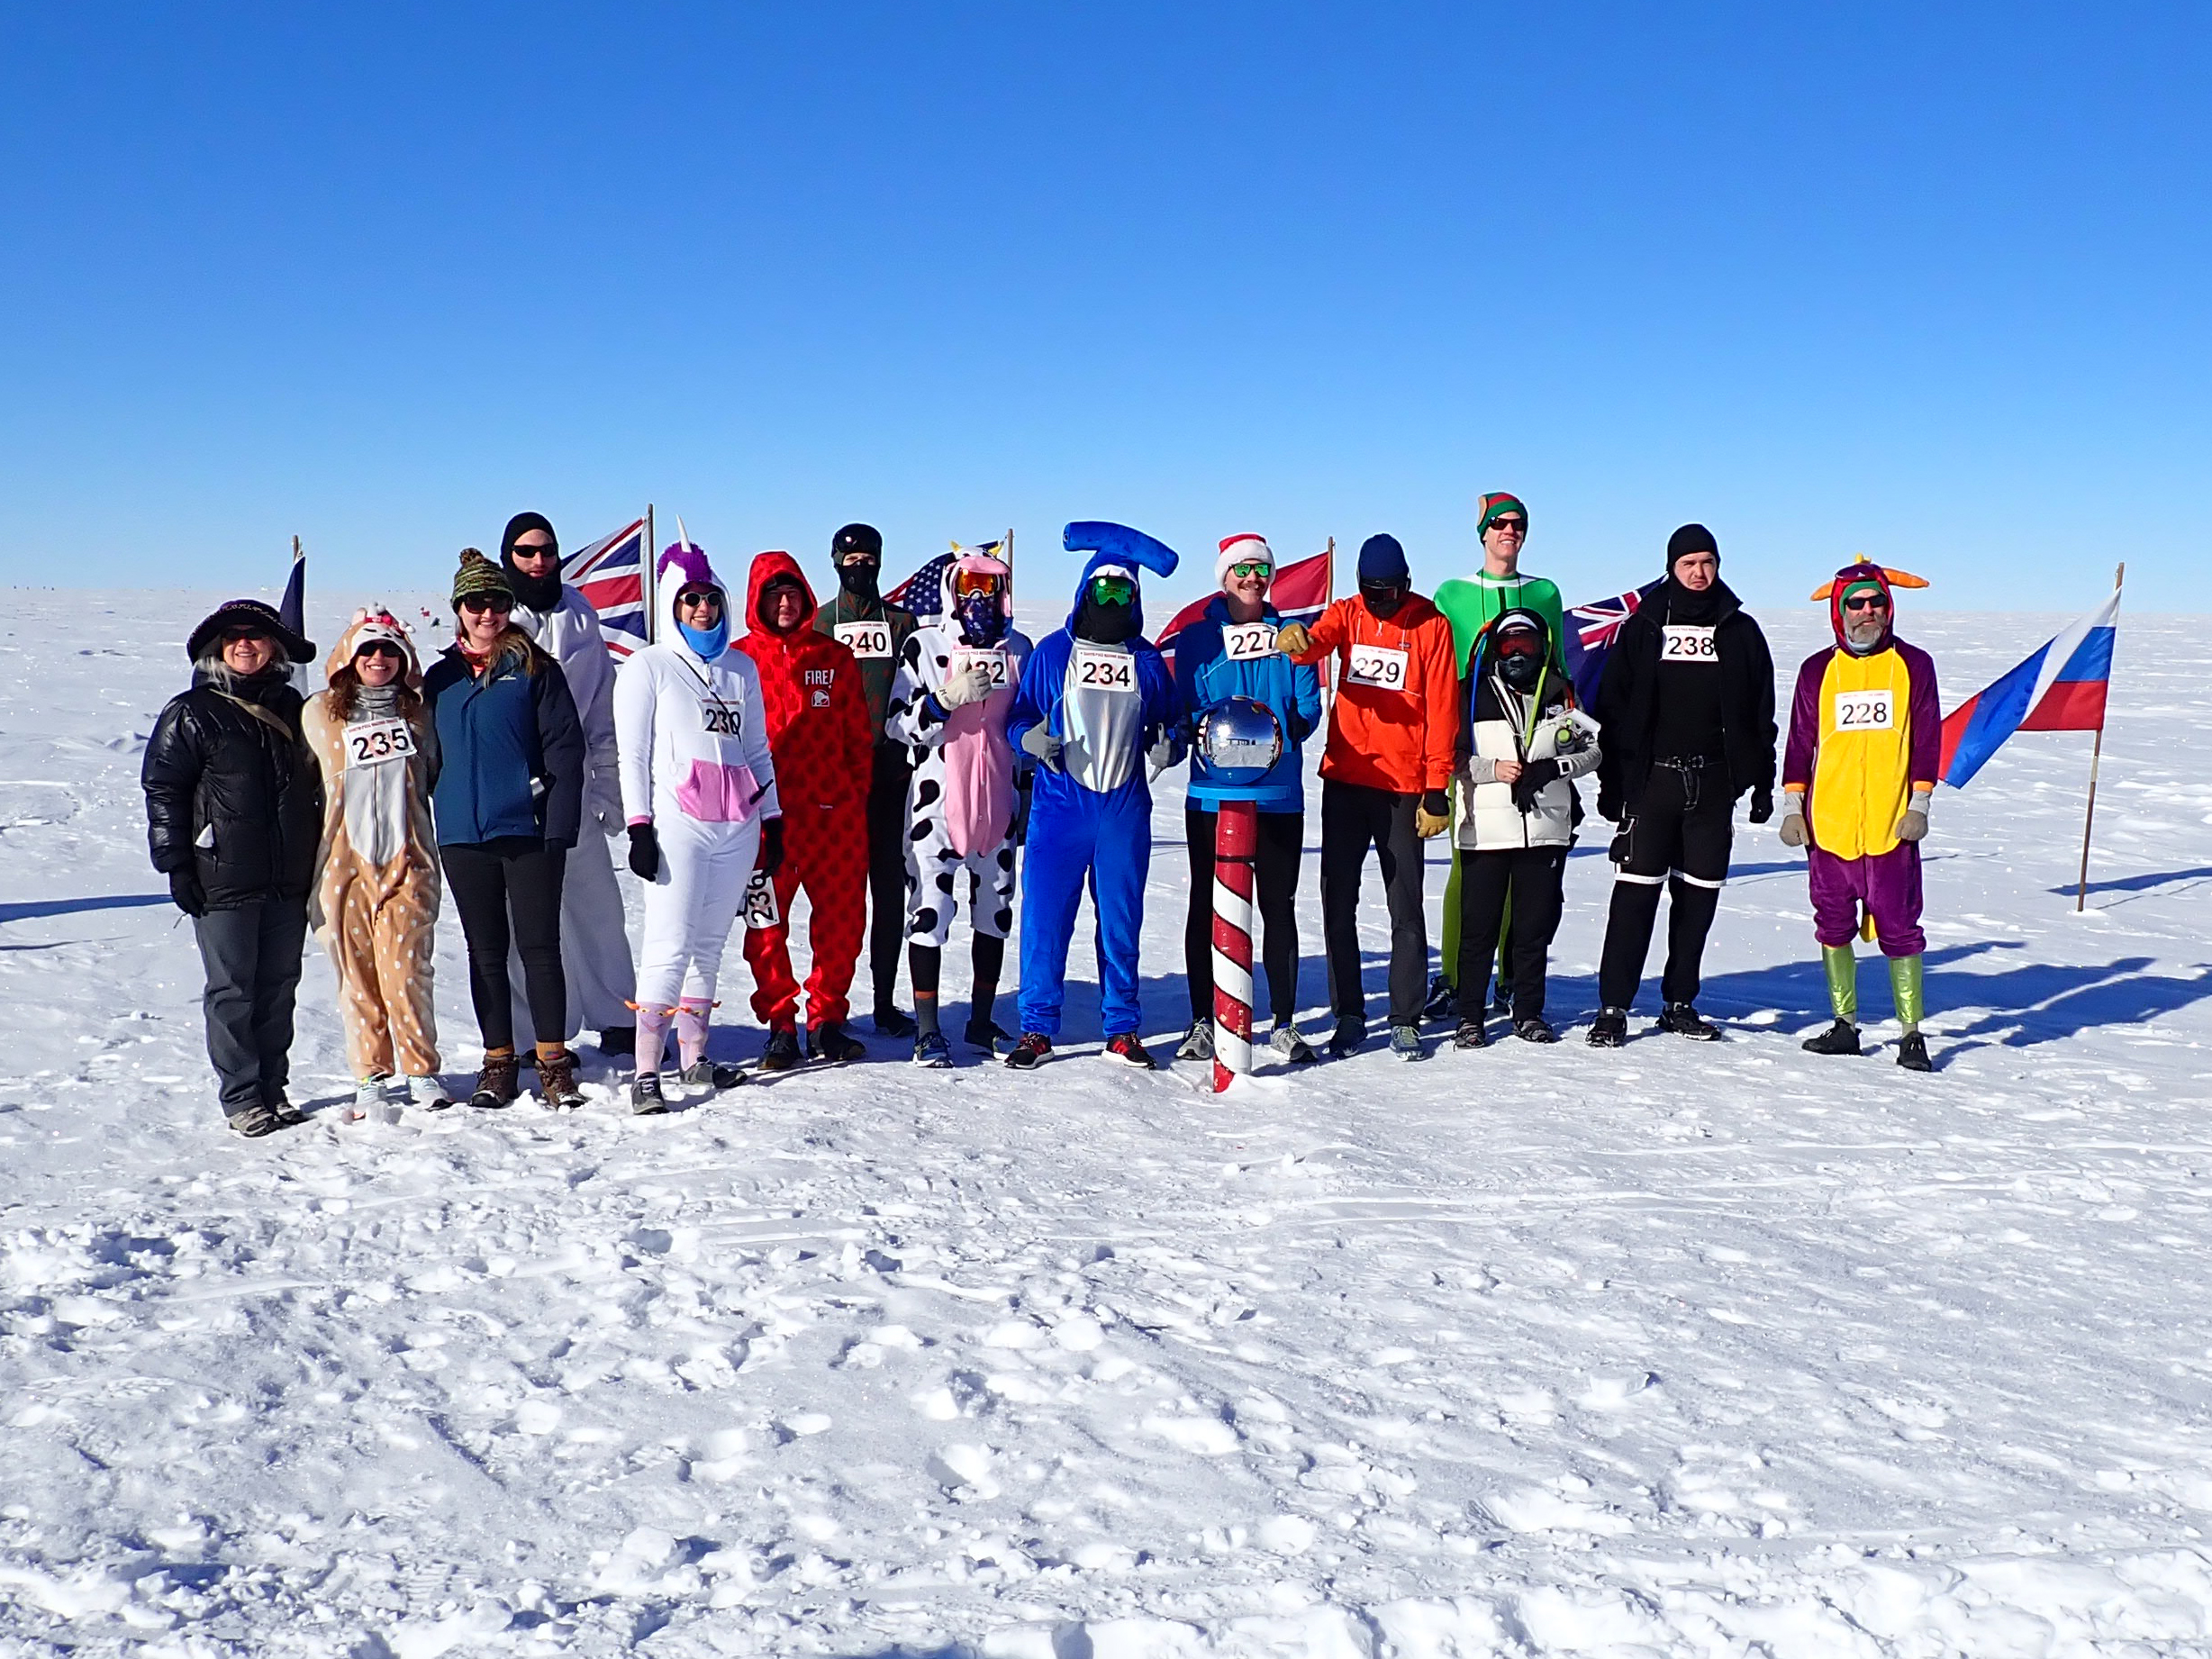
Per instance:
(766,568)
(1861,572)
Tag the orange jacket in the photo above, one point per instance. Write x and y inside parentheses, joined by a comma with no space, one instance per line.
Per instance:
(1384,734)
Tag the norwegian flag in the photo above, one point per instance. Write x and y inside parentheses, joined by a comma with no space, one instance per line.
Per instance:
(1300,593)
(1591,629)
(611,575)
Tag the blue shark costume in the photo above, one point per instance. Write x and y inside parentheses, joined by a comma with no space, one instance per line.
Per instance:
(1091,816)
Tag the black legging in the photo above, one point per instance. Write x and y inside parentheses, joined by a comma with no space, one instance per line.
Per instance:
(1535,878)
(887,826)
(518,875)
(1282,840)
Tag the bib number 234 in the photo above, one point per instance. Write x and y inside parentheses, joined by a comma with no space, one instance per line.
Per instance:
(1113,671)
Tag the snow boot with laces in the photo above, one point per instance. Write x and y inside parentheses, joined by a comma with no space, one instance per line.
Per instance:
(498,1081)
(557,1081)
(1610,1029)
(1683,1020)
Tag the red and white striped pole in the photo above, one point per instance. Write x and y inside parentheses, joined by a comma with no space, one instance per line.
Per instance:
(1235,840)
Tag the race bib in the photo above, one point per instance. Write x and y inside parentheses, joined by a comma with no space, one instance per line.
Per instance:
(1866,711)
(1114,671)
(1383,665)
(373,742)
(720,719)
(1683,642)
(761,910)
(865,639)
(1245,642)
(997,665)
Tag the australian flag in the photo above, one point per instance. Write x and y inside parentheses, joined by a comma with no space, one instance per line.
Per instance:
(1591,629)
(611,575)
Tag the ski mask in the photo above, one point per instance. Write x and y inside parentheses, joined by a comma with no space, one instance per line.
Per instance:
(982,620)
(1519,651)
(1683,605)
(1102,621)
(540,593)
(857,552)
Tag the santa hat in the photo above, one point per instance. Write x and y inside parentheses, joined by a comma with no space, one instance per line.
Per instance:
(1235,550)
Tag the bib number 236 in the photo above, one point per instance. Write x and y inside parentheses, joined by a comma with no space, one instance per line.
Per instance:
(1113,671)
(1383,665)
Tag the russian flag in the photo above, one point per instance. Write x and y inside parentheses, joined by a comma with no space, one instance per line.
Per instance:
(2061,687)
(1300,593)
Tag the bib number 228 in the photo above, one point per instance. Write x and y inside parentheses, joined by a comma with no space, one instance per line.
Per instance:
(1866,711)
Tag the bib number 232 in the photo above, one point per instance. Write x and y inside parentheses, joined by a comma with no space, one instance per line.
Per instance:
(1113,671)
(1383,665)
(1866,711)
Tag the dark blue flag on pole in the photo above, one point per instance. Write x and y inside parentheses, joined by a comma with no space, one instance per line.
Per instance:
(291,611)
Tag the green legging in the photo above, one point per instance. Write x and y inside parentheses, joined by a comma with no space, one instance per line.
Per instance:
(1908,985)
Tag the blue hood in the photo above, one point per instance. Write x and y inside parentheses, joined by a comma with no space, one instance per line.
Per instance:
(1116,544)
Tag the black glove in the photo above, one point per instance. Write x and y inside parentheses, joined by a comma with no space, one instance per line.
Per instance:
(1535,774)
(1609,804)
(644,852)
(770,858)
(185,892)
(1436,803)
(1762,805)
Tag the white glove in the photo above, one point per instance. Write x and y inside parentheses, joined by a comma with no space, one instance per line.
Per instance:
(971,685)
(1162,755)
(1793,828)
(1041,744)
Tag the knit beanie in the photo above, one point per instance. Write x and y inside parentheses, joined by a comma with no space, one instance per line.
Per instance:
(1491,506)
(1691,539)
(1382,560)
(1237,550)
(856,538)
(478,574)
(1865,584)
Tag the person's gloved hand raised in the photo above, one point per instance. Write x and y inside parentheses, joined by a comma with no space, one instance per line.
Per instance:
(1291,639)
(1762,805)
(770,858)
(1433,816)
(644,852)
(1042,744)
(971,685)
(1534,776)
(1913,826)
(186,893)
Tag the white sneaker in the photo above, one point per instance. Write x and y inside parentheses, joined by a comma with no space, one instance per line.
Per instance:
(429,1093)
(369,1093)
(1287,1040)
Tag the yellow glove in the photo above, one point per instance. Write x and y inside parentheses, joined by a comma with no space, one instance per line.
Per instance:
(1291,639)
(1433,816)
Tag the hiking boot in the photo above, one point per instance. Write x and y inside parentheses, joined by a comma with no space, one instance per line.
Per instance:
(1287,1040)
(831,1043)
(1406,1043)
(932,1052)
(1349,1037)
(1129,1050)
(1683,1019)
(1470,1033)
(1912,1053)
(1033,1047)
(645,1095)
(556,1082)
(781,1054)
(253,1122)
(1842,1037)
(498,1083)
(986,1034)
(713,1072)
(1610,1029)
(1532,1029)
(890,1021)
(1197,1042)
(1443,998)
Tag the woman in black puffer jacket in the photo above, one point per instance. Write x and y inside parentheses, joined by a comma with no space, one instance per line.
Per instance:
(233,816)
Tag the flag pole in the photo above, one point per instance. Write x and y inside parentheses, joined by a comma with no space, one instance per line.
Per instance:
(646,579)
(2097,751)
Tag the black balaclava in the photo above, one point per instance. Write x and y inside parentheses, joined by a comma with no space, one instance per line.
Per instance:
(1521,669)
(1105,624)
(1384,580)
(863,545)
(1682,605)
(531,593)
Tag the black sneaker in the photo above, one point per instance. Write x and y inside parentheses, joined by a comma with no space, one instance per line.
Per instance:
(1531,1028)
(1033,1047)
(830,1042)
(890,1021)
(288,1115)
(619,1040)
(1683,1019)
(1129,1050)
(932,1052)
(1349,1037)
(645,1096)
(713,1073)
(1610,1029)
(1842,1037)
(986,1034)
(781,1054)
(1912,1053)
(1470,1034)
(1443,998)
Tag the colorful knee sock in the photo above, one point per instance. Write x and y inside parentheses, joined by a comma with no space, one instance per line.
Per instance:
(652,1036)
(691,1030)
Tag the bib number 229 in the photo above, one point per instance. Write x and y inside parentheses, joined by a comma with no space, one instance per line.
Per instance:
(1382,666)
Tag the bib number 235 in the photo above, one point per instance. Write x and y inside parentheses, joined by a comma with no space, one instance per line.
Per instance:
(371,743)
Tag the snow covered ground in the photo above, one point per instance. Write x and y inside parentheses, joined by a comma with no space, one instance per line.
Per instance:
(1691,1350)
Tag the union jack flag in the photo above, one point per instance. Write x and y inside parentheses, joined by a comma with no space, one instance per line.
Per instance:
(611,575)
(1591,629)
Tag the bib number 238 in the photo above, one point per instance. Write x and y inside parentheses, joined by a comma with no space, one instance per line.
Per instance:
(1382,666)
(1683,642)
(1111,671)
(1866,711)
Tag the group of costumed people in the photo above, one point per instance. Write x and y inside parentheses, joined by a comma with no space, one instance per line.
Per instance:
(866,758)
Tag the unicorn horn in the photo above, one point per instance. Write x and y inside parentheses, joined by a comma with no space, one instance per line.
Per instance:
(683,536)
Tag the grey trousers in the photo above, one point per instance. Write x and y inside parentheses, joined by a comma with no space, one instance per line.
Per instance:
(251,954)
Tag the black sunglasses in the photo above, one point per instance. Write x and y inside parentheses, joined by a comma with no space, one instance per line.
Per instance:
(1866,601)
(488,601)
(382,648)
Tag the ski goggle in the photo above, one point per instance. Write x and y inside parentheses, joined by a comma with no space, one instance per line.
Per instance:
(1113,590)
(972,584)
(1520,642)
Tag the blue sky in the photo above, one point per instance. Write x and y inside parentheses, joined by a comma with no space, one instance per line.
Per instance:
(1927,282)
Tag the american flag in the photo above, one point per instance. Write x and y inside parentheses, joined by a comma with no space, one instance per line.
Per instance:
(923,592)
(1591,629)
(611,575)
(1300,593)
